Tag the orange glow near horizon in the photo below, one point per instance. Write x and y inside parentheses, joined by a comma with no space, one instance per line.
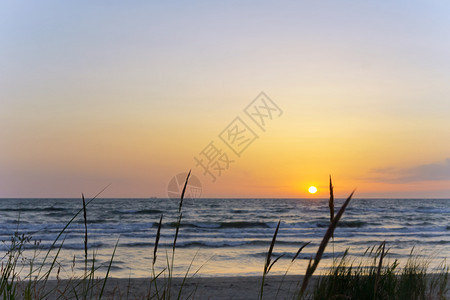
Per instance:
(136,107)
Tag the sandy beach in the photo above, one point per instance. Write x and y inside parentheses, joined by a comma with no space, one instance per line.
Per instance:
(247,287)
(219,287)
(239,287)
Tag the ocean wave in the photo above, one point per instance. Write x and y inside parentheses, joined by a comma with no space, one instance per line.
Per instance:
(349,224)
(218,225)
(46,245)
(432,210)
(441,242)
(210,243)
(17,222)
(244,224)
(34,209)
(219,244)
(137,212)
(302,255)
(80,246)
(94,221)
(59,214)
(137,244)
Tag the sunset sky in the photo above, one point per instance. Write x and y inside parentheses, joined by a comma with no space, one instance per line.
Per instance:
(128,93)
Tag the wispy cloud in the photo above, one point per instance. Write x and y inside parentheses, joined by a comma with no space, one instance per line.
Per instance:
(428,172)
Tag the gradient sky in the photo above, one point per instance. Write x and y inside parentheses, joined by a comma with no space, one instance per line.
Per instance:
(127,93)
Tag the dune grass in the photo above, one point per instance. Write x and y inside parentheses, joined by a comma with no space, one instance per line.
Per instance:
(374,277)
(369,279)
(32,285)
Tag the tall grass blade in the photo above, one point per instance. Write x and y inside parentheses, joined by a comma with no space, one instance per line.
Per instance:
(300,250)
(85,229)
(52,265)
(267,264)
(85,289)
(107,272)
(380,264)
(184,190)
(158,234)
(310,270)
(269,253)
(289,267)
(169,283)
(274,261)
(331,202)
(186,275)
(331,206)
(177,229)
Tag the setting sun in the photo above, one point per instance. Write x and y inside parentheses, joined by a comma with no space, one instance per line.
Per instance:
(312,190)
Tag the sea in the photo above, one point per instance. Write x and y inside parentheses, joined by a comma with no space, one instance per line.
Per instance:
(219,237)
